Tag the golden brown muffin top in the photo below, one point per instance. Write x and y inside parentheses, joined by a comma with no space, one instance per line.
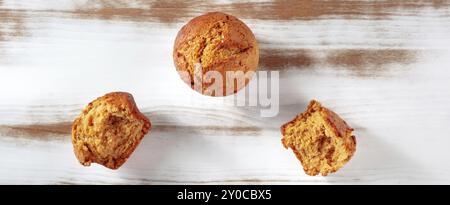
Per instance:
(214,42)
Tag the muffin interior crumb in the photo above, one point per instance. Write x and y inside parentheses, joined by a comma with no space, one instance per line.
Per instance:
(316,144)
(106,133)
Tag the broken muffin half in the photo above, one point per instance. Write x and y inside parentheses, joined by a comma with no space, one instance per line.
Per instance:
(320,139)
(108,130)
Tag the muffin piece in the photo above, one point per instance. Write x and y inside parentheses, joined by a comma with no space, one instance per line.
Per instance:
(215,42)
(320,139)
(108,130)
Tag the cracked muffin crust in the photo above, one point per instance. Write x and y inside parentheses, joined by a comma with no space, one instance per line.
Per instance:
(215,42)
(320,139)
(108,130)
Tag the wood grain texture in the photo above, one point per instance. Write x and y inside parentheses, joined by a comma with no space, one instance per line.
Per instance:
(382,65)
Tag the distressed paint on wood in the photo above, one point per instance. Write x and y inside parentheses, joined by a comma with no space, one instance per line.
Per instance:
(383,66)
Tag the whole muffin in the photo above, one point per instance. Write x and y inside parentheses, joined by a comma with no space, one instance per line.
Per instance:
(210,45)
(108,130)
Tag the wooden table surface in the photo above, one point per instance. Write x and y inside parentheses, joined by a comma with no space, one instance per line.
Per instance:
(384,66)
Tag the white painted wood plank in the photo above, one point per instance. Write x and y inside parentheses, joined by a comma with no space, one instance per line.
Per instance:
(400,110)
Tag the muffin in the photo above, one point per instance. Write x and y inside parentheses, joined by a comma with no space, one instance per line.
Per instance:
(108,130)
(320,139)
(208,47)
